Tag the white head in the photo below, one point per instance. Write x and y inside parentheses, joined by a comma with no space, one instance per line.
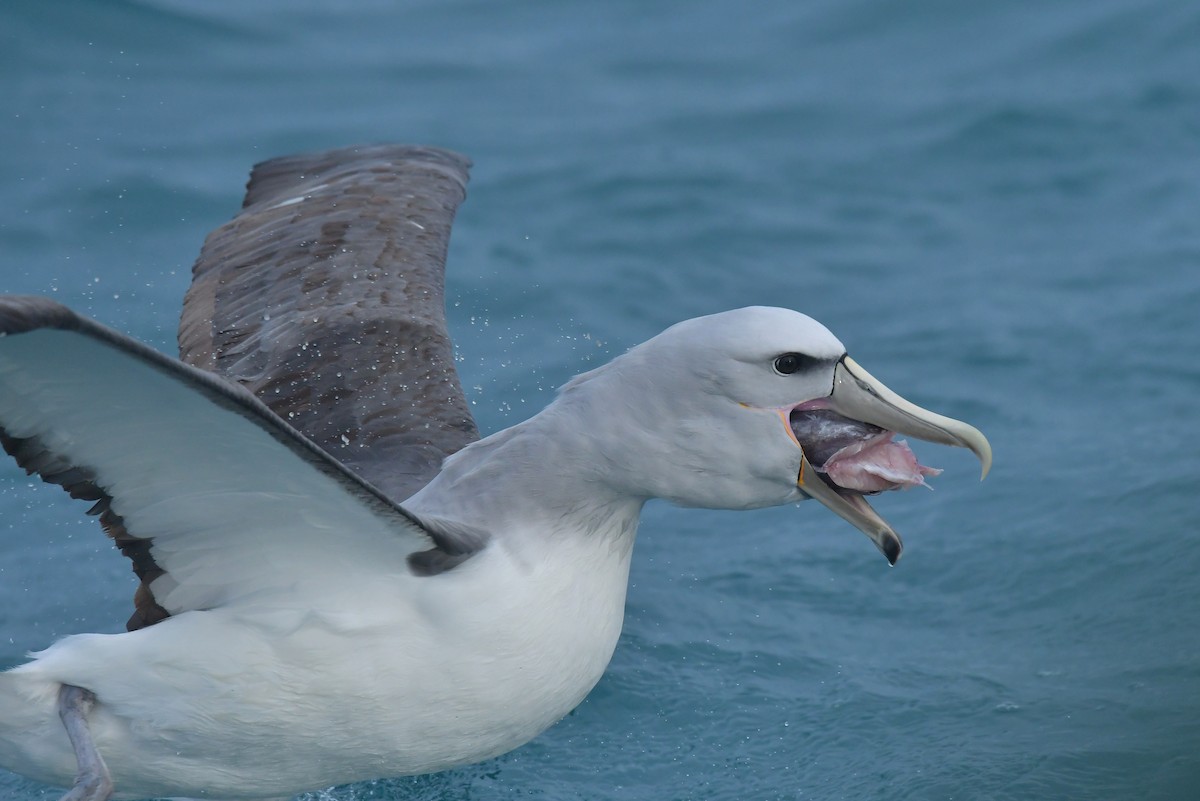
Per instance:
(700,415)
(703,407)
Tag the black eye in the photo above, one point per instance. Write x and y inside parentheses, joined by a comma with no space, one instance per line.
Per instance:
(790,363)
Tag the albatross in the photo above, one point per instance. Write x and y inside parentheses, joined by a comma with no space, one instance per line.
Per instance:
(339,580)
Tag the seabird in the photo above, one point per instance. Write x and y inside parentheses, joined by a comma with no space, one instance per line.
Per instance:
(339,580)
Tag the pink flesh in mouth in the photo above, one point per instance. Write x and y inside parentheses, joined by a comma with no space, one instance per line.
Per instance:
(877,464)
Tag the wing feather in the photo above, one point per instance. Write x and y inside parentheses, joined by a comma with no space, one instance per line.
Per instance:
(325,298)
(213,497)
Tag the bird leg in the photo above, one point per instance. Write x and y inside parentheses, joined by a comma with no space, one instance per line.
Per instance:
(92,782)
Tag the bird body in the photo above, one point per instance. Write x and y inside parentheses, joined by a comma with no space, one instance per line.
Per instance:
(249,702)
(386,675)
(373,592)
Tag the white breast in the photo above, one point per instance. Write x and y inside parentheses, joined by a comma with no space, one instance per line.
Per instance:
(472,663)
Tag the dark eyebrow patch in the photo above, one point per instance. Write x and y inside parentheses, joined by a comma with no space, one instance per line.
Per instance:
(794,362)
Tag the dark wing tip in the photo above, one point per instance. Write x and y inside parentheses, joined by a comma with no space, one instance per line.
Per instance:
(273,180)
(20,314)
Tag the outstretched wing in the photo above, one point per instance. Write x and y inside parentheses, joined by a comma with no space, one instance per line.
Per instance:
(324,297)
(213,497)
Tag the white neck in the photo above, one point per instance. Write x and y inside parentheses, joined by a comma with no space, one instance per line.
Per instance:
(541,606)
(562,476)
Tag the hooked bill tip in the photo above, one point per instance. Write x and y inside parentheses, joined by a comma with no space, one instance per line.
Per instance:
(891,548)
(983,449)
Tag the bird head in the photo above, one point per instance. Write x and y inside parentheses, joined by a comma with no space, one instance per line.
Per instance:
(758,407)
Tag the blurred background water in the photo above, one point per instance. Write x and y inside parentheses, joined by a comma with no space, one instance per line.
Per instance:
(995,205)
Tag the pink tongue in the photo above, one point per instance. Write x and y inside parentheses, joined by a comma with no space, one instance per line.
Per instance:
(877,465)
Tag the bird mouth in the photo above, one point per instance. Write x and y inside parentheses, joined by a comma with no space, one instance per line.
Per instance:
(850,451)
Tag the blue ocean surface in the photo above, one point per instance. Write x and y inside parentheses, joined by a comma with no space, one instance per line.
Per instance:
(996,206)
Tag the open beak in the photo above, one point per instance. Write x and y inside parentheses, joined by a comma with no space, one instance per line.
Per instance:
(859,396)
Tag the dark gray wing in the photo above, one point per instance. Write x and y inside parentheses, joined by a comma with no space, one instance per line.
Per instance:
(324,297)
